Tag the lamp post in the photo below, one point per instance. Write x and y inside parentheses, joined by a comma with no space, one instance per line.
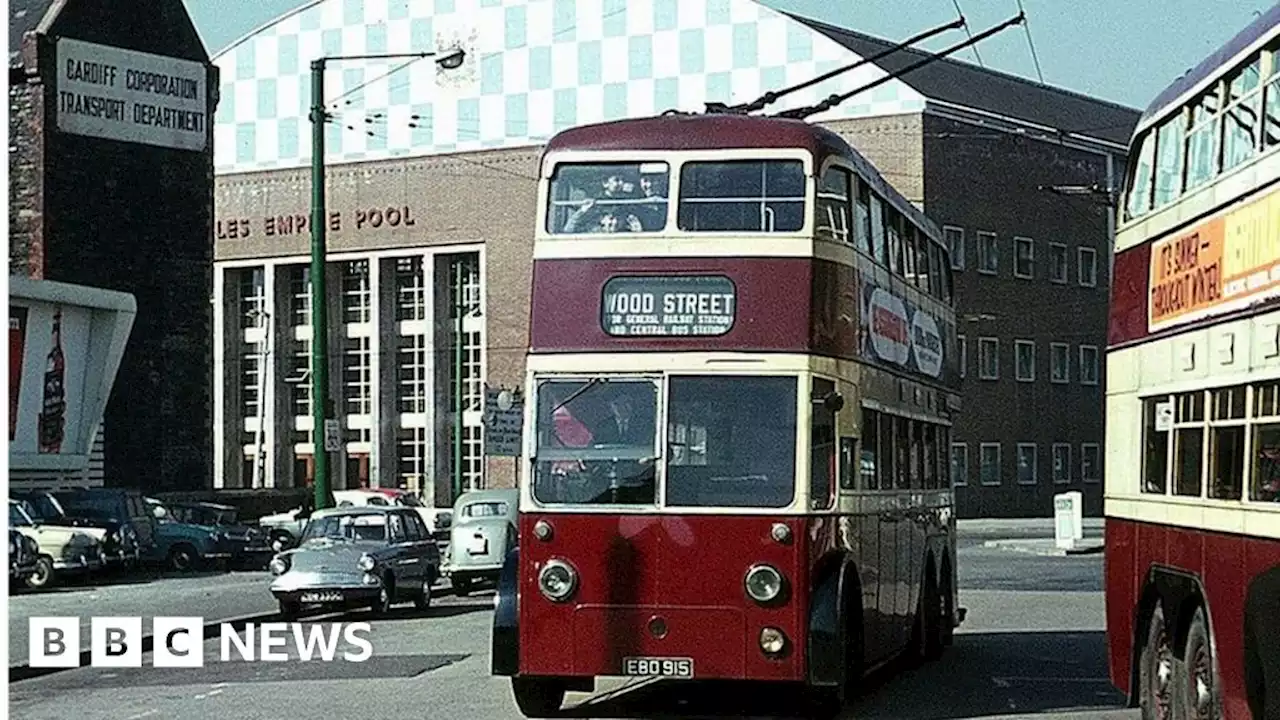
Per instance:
(321,406)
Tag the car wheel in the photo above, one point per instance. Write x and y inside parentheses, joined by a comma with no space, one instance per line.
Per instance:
(43,575)
(422,600)
(182,558)
(382,604)
(289,609)
(538,697)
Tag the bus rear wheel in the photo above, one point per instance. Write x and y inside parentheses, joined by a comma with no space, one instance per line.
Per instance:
(538,697)
(1156,670)
(1198,689)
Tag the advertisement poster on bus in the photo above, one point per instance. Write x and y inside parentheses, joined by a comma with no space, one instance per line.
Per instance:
(17,336)
(900,333)
(1225,263)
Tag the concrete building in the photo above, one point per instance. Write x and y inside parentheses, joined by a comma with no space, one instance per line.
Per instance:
(111,187)
(432,170)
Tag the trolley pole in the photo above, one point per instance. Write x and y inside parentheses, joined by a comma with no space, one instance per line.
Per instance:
(321,406)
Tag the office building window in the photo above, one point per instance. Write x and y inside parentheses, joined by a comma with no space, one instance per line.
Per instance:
(988,261)
(1088,261)
(411,293)
(1024,258)
(954,237)
(962,354)
(1028,472)
(1090,463)
(1024,360)
(1059,362)
(990,463)
(1061,463)
(300,295)
(356,306)
(1057,263)
(988,358)
(1088,365)
(411,370)
(959,464)
(357,376)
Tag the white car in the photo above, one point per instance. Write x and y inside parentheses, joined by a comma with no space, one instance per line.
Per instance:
(285,528)
(62,549)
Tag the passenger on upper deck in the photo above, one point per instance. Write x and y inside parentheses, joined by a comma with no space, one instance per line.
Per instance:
(604,212)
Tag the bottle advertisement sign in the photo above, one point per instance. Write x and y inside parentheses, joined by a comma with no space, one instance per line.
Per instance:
(901,333)
(46,377)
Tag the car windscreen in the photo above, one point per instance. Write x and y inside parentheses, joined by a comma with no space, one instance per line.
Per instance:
(346,527)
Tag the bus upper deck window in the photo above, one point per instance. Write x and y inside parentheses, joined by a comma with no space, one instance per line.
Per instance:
(742,196)
(591,198)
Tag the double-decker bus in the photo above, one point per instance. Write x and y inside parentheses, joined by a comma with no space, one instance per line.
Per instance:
(1193,395)
(741,383)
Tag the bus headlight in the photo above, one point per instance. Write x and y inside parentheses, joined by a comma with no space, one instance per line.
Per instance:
(764,583)
(365,563)
(557,580)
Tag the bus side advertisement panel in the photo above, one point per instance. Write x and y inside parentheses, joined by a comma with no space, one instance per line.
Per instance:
(1225,263)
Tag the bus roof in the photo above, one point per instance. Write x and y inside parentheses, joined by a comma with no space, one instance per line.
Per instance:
(1212,64)
(701,132)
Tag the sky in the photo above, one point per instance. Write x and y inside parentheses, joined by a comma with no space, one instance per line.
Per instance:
(1125,51)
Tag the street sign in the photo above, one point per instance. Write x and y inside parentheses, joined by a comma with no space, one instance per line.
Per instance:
(503,422)
(332,436)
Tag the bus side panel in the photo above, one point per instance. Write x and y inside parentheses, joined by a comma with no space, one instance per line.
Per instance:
(1122,587)
(1224,581)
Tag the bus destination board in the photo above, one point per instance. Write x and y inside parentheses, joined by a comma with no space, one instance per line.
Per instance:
(702,305)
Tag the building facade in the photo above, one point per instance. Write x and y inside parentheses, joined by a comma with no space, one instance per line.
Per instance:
(111,187)
(432,181)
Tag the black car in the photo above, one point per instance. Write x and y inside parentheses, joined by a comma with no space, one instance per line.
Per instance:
(127,507)
(121,543)
(249,545)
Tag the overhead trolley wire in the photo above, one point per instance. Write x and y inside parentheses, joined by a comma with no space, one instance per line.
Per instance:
(966,32)
(1035,57)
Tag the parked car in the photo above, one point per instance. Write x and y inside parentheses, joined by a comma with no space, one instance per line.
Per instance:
(23,553)
(120,540)
(484,532)
(121,505)
(352,556)
(61,550)
(284,529)
(186,546)
(248,545)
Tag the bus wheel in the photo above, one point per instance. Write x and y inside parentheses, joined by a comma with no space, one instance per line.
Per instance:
(1199,689)
(538,697)
(934,620)
(1156,670)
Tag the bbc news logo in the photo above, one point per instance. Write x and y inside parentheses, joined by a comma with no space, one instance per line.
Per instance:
(180,642)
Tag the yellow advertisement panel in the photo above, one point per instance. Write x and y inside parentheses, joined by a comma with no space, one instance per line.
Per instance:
(1220,265)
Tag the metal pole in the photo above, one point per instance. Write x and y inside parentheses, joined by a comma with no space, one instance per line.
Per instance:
(457,382)
(260,455)
(319,308)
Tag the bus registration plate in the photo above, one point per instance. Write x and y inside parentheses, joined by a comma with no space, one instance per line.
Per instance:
(658,667)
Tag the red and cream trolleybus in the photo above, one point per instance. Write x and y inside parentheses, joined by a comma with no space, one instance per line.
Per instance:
(1193,395)
(741,383)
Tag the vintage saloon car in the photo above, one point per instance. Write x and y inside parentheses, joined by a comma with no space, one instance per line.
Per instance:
(352,556)
(23,552)
(120,540)
(60,549)
(247,545)
(484,532)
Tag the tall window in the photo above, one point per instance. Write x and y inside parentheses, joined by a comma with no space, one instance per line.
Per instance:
(1157,414)
(1028,472)
(356,305)
(300,294)
(1088,266)
(411,457)
(988,358)
(1059,362)
(411,296)
(411,372)
(1271,127)
(959,464)
(1226,443)
(1139,199)
(962,354)
(988,262)
(1266,443)
(1024,258)
(990,463)
(1057,263)
(357,376)
(1025,360)
(1061,463)
(250,383)
(954,237)
(300,378)
(1241,119)
(862,220)
(1088,365)
(1202,140)
(253,295)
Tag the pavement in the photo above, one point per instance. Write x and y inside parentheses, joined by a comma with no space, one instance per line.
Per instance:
(1033,646)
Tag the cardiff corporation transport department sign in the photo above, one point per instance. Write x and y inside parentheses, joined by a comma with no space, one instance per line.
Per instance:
(137,97)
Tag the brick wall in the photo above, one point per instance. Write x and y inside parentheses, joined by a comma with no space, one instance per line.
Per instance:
(25,187)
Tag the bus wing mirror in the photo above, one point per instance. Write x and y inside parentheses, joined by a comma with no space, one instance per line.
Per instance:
(832,401)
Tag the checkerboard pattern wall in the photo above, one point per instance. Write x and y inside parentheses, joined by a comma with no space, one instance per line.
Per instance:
(533,68)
